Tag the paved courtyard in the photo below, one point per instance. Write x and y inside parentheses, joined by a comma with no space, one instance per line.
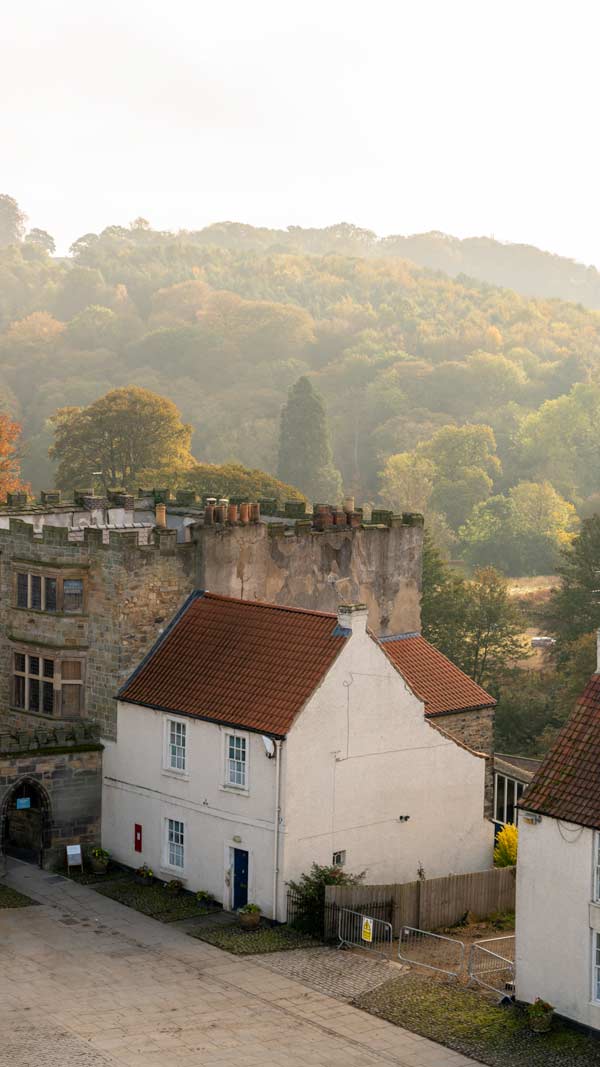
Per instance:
(86,982)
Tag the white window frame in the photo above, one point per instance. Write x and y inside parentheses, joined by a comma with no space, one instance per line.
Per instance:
(168,768)
(170,828)
(228,785)
(508,782)
(339,858)
(596,967)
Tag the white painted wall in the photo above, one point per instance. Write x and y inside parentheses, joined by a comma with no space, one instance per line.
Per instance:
(359,755)
(138,789)
(362,754)
(555,917)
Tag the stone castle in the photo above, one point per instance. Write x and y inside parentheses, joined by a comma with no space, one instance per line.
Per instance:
(87,585)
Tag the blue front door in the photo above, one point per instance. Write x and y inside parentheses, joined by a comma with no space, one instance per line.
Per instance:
(240,878)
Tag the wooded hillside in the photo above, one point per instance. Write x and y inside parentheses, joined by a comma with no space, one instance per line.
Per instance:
(475,403)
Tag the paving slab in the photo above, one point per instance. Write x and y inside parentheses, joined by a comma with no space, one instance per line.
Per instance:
(87,982)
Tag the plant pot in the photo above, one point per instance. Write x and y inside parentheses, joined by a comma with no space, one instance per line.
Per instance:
(249,920)
(98,866)
(141,880)
(541,1024)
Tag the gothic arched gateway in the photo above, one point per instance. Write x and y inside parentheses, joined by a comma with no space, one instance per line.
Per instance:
(26,821)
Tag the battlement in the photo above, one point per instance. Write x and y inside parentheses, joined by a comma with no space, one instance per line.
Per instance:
(93,538)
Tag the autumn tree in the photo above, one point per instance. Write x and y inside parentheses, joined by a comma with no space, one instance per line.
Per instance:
(406,482)
(305,456)
(10,461)
(129,435)
(12,221)
(41,239)
(465,462)
(574,608)
(473,622)
(521,531)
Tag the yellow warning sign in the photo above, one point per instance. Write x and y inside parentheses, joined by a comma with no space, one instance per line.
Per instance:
(367,929)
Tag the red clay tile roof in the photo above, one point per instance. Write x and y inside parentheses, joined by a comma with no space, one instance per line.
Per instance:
(254,665)
(438,682)
(239,662)
(567,785)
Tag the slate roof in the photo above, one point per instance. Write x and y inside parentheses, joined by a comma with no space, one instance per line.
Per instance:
(567,785)
(254,665)
(239,662)
(438,682)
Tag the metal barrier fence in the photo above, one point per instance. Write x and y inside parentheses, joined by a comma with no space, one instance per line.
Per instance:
(434,951)
(365,931)
(320,918)
(492,963)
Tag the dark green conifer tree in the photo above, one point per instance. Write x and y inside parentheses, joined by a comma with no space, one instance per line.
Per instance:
(305,457)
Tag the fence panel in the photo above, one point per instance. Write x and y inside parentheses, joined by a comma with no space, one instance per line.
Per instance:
(433,902)
(365,931)
(492,963)
(443,954)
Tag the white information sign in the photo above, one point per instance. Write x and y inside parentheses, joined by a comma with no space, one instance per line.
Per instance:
(74,858)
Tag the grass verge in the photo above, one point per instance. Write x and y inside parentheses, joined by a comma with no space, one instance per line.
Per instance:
(153,900)
(467,1022)
(9,898)
(253,942)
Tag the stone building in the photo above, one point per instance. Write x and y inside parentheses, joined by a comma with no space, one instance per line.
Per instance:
(86,586)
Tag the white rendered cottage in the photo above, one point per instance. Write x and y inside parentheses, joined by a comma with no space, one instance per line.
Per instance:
(558,872)
(255,739)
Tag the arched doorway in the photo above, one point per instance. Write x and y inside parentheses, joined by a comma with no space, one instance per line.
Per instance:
(26,822)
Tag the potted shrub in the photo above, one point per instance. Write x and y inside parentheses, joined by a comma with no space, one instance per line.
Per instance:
(249,916)
(99,858)
(175,886)
(144,875)
(206,899)
(540,1015)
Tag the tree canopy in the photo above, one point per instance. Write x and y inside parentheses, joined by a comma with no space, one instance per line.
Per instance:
(491,388)
(127,437)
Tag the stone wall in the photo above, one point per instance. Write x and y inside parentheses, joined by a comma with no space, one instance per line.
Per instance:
(72,780)
(133,589)
(476,730)
(376,565)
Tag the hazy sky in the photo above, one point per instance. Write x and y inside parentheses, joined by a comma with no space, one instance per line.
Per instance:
(469,117)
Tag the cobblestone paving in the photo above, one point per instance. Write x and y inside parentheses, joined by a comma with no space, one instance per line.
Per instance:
(108,986)
(344,975)
(36,1042)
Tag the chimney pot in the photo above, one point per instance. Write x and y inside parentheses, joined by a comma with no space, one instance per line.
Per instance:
(209,514)
(232,513)
(254,512)
(348,504)
(245,514)
(160,513)
(353,617)
(220,513)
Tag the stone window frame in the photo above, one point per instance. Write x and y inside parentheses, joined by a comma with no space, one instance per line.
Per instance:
(59,657)
(60,576)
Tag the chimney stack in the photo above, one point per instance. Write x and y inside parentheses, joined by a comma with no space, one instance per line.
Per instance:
(353,617)
(161,516)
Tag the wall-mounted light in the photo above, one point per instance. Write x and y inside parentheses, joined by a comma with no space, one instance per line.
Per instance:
(403,818)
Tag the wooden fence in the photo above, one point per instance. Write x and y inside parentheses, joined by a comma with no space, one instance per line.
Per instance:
(433,902)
